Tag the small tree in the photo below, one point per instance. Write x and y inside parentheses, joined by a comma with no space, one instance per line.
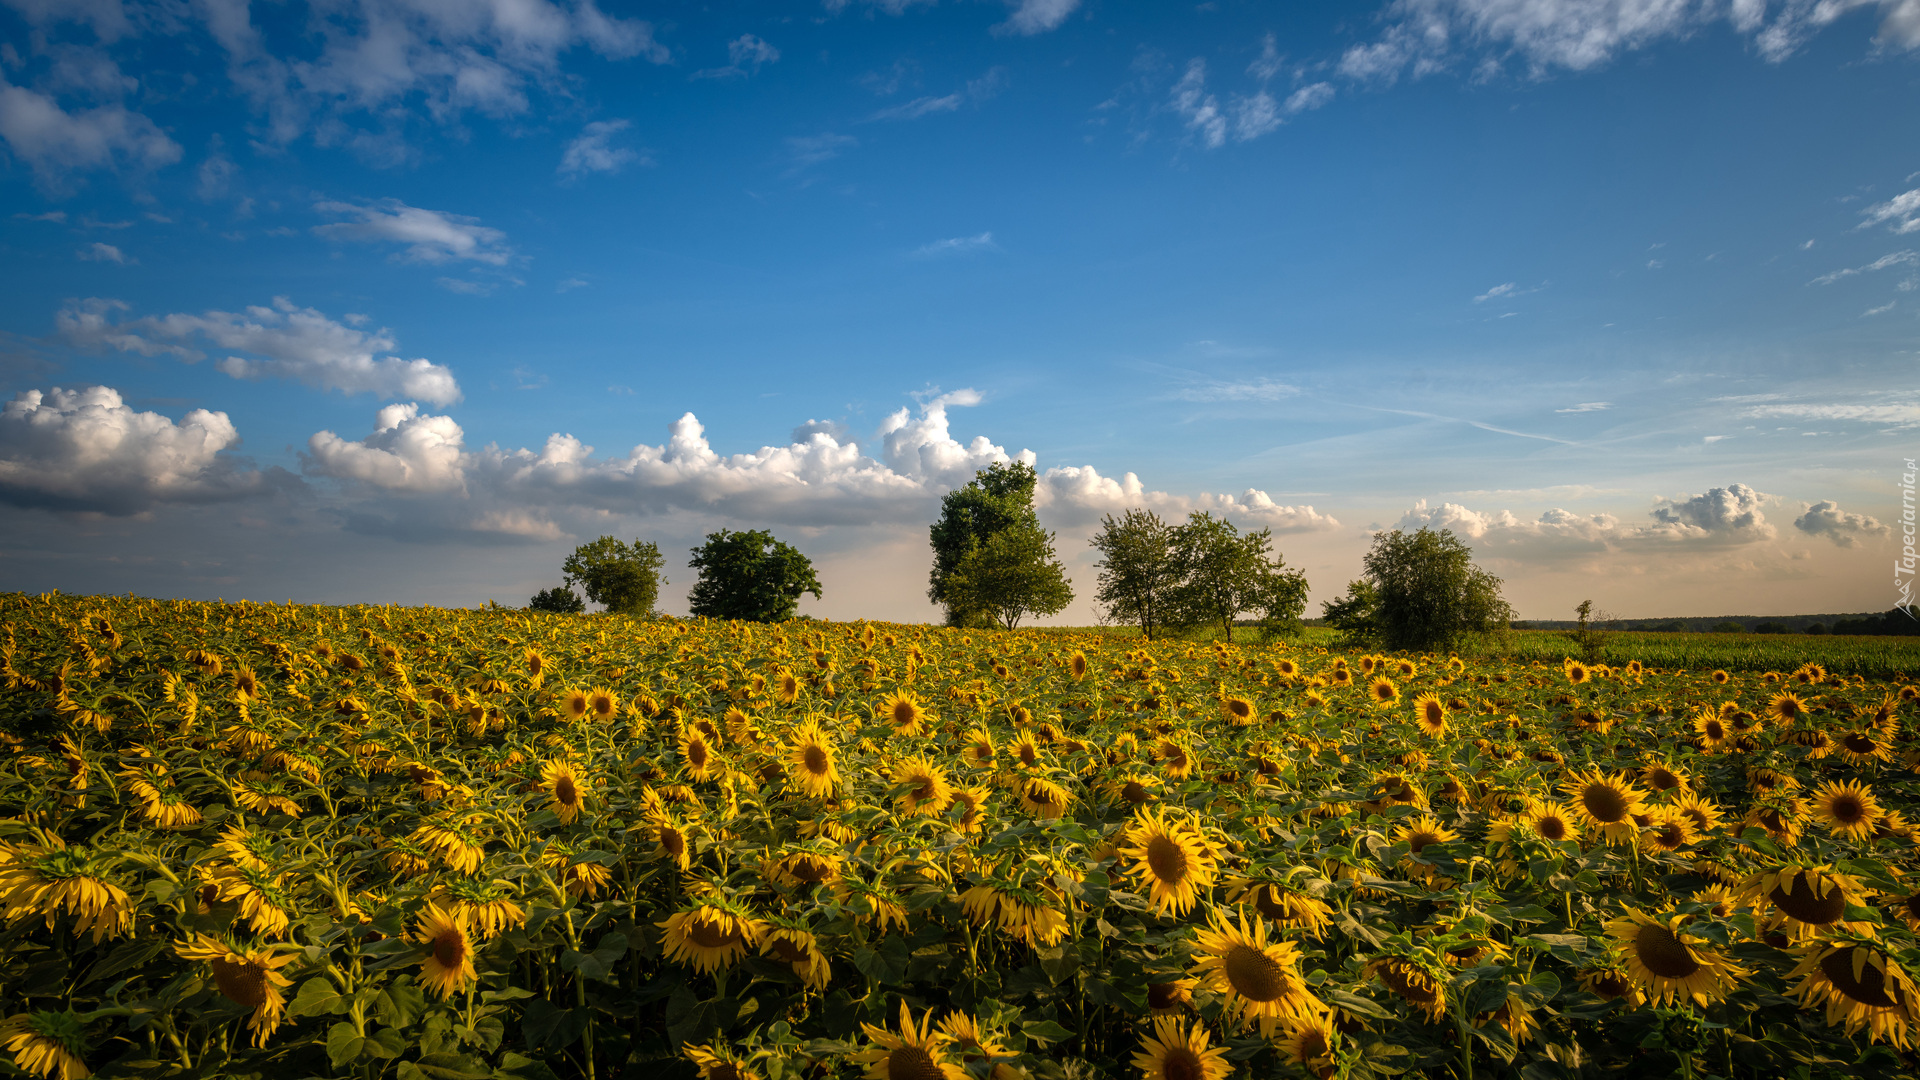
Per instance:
(1137,574)
(624,577)
(1011,575)
(1589,634)
(558,600)
(750,575)
(1429,592)
(1223,575)
(1356,615)
(999,497)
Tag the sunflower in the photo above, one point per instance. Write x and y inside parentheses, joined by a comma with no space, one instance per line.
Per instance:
(1430,714)
(1238,710)
(786,687)
(43,881)
(484,904)
(696,755)
(1025,748)
(716,1062)
(568,789)
(1806,900)
(965,1036)
(1787,708)
(51,1044)
(249,978)
(1172,857)
(1044,798)
(453,843)
(1865,748)
(810,764)
(1260,981)
(710,936)
(915,1052)
(1382,692)
(671,839)
(1710,730)
(1907,910)
(1552,822)
(1285,907)
(800,951)
(1863,988)
(805,868)
(1668,830)
(925,787)
(603,703)
(575,704)
(1849,808)
(972,802)
(1606,803)
(1169,998)
(1417,835)
(1416,983)
(1176,1051)
(447,966)
(1611,981)
(979,749)
(263,796)
(1576,671)
(1310,1044)
(902,712)
(1077,665)
(1396,788)
(1175,758)
(1668,964)
(1661,777)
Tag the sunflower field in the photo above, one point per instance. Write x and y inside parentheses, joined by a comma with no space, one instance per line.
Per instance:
(245,840)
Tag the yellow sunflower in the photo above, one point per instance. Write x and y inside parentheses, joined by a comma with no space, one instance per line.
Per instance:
(447,967)
(1238,710)
(1576,671)
(979,749)
(710,936)
(249,978)
(1310,1045)
(575,704)
(1606,803)
(1787,708)
(696,756)
(925,787)
(1806,900)
(1430,715)
(1260,981)
(1861,986)
(1418,984)
(1177,1051)
(902,712)
(1668,964)
(1848,808)
(914,1052)
(964,1035)
(1170,998)
(1044,798)
(1551,821)
(1382,692)
(810,764)
(1172,857)
(45,880)
(603,703)
(716,1061)
(50,1044)
(801,952)
(567,788)
(1417,835)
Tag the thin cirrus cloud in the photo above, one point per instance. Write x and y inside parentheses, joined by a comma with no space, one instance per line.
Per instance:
(98,252)
(957,245)
(976,91)
(1249,390)
(1244,117)
(1897,258)
(1506,291)
(1587,406)
(806,151)
(282,341)
(746,55)
(1900,214)
(428,236)
(592,151)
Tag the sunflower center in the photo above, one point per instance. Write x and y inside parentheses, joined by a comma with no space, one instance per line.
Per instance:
(1662,780)
(1134,792)
(1664,954)
(1715,731)
(1167,859)
(1239,708)
(1182,1064)
(912,1063)
(904,714)
(1420,840)
(1401,981)
(1802,903)
(789,951)
(1267,901)
(814,759)
(1610,986)
(1858,743)
(1669,835)
(1551,828)
(696,754)
(1848,809)
(1164,996)
(672,842)
(707,935)
(1254,975)
(243,984)
(726,1071)
(1605,802)
(1027,754)
(450,948)
(811,870)
(1869,989)
(564,791)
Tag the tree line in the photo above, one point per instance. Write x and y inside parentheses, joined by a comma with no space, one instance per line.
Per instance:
(995,566)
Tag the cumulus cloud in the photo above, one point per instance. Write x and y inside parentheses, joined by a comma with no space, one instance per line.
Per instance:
(593,150)
(1900,214)
(1731,512)
(1826,519)
(1035,16)
(87,450)
(430,236)
(282,341)
(406,452)
(1720,516)
(57,143)
(1421,37)
(1898,258)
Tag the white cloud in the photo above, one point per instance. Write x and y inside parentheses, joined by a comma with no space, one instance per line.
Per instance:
(1722,516)
(1586,406)
(1826,519)
(406,452)
(957,245)
(920,106)
(570,284)
(806,151)
(282,341)
(467,287)
(745,55)
(1898,258)
(1201,109)
(431,236)
(108,18)
(1268,63)
(1255,116)
(55,216)
(1881,310)
(55,142)
(1894,414)
(1251,390)
(1309,97)
(87,450)
(1035,16)
(1900,214)
(98,252)
(1731,512)
(592,150)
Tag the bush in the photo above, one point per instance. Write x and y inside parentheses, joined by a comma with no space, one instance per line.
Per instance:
(559,600)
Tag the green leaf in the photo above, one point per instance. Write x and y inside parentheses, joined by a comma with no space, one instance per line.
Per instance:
(317,995)
(343,1044)
(453,1067)
(386,1043)
(1045,1032)
(400,1004)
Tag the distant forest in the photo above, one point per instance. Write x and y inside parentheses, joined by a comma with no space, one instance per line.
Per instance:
(1894,621)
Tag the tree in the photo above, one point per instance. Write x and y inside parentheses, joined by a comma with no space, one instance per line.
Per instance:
(558,600)
(1588,634)
(1429,592)
(750,575)
(624,577)
(1009,576)
(1355,615)
(999,497)
(1137,574)
(1223,575)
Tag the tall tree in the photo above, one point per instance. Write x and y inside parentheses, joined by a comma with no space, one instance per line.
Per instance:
(1224,575)
(1428,591)
(999,497)
(1137,573)
(1009,576)
(750,575)
(624,577)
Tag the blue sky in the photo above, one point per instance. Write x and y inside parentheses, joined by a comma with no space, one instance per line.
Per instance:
(337,295)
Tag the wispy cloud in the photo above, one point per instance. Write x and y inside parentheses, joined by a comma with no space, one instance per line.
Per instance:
(430,236)
(1246,390)
(1898,258)
(592,151)
(1506,291)
(806,151)
(976,91)
(746,54)
(104,253)
(1587,406)
(1900,214)
(1881,310)
(957,245)
(1895,415)
(1032,17)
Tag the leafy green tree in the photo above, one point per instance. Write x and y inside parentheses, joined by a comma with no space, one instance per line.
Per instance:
(1011,575)
(1137,573)
(1223,575)
(999,497)
(558,600)
(1356,615)
(750,575)
(624,577)
(1429,592)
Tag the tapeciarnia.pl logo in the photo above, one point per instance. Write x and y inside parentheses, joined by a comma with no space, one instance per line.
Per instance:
(1903,567)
